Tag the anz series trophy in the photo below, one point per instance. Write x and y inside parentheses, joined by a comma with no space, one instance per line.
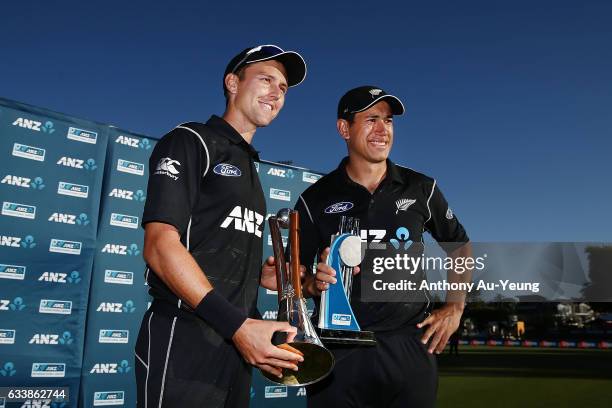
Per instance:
(318,361)
(337,323)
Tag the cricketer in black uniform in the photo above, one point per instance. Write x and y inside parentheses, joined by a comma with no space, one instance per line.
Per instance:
(399,371)
(203,222)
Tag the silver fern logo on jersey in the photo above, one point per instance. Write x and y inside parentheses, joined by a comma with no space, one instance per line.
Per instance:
(403,203)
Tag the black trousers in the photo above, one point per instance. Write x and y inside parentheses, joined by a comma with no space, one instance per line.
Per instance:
(182,362)
(397,372)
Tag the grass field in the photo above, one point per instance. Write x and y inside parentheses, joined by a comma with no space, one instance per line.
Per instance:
(523,377)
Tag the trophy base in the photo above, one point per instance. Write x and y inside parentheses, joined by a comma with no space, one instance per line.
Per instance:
(358,338)
(318,363)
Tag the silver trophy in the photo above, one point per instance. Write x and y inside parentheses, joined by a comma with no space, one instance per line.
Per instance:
(318,361)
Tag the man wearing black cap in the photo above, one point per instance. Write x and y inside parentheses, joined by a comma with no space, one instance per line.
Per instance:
(203,223)
(392,202)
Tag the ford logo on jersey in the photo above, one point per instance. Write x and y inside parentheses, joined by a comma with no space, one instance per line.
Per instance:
(339,207)
(224,169)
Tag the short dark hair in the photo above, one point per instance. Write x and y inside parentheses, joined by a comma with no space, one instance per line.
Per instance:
(349,117)
(240,74)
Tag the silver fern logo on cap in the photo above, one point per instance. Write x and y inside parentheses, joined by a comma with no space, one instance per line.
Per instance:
(375,92)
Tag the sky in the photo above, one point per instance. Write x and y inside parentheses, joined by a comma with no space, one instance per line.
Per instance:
(508,104)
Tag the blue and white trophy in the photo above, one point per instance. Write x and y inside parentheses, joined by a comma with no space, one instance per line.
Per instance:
(337,322)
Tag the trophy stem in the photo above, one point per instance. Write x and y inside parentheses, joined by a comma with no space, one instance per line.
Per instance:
(294,242)
(279,257)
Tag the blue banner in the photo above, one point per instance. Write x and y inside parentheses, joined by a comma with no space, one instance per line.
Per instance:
(50,184)
(118,293)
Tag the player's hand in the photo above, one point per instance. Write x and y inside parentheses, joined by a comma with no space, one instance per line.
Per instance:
(254,341)
(325,276)
(268,273)
(442,323)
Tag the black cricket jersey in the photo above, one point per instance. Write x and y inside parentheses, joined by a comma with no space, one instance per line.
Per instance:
(405,198)
(203,181)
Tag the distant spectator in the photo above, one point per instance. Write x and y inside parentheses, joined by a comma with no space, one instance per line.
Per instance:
(454,343)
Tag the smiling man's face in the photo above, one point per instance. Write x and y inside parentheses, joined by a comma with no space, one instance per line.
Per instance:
(261,92)
(370,136)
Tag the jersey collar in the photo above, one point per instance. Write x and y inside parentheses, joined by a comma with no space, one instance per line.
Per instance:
(226,130)
(393,174)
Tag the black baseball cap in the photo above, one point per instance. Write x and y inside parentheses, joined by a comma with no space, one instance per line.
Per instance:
(293,62)
(364,97)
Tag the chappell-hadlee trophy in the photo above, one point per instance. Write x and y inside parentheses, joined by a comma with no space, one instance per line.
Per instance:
(337,322)
(318,361)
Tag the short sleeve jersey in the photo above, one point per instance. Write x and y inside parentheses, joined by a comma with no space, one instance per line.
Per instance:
(405,198)
(203,181)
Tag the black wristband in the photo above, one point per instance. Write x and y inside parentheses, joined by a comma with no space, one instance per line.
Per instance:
(220,314)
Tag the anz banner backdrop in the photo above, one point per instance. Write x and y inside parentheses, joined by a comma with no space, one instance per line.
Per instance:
(118,295)
(51,176)
(72,290)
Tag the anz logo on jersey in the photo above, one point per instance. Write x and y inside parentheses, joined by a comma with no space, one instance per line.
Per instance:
(374,238)
(244,220)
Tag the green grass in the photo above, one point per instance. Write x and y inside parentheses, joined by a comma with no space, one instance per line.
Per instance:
(519,377)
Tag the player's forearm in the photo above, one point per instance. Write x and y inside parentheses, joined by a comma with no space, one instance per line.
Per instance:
(176,268)
(457,297)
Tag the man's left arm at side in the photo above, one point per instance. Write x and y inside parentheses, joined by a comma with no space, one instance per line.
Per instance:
(444,321)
